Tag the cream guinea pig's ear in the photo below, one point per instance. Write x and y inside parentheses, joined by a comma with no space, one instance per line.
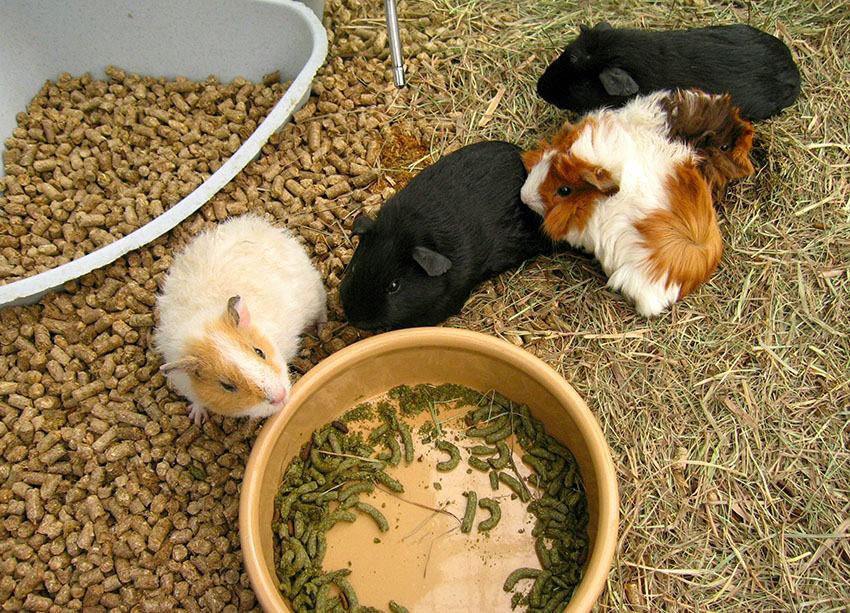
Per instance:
(237,312)
(190,364)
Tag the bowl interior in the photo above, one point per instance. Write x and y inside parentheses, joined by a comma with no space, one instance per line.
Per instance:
(431,355)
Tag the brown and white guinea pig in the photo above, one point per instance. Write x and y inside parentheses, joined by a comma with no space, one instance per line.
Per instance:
(711,124)
(232,308)
(615,186)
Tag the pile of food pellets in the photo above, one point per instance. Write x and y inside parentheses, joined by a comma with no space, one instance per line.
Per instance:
(110,497)
(93,160)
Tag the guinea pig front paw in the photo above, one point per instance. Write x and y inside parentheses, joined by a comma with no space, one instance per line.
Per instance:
(198,414)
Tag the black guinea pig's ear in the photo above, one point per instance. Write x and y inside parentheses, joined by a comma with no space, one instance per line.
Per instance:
(618,82)
(583,28)
(435,264)
(602,25)
(362,225)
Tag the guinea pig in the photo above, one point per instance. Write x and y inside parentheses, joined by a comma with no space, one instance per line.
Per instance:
(634,199)
(456,223)
(231,310)
(605,66)
(712,125)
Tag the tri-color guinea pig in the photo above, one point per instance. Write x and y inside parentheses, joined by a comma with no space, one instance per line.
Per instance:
(616,186)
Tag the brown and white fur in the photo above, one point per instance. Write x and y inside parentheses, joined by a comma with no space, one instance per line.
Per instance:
(711,124)
(616,186)
(232,308)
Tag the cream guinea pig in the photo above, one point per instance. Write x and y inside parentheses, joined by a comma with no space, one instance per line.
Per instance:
(231,311)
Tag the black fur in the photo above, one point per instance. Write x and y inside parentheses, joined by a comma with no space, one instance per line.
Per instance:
(606,66)
(461,219)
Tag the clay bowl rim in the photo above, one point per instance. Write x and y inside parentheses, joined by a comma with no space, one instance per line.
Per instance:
(602,555)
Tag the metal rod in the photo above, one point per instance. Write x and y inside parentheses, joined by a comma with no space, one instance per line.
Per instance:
(395,43)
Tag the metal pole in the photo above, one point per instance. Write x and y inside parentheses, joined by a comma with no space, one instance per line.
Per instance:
(395,43)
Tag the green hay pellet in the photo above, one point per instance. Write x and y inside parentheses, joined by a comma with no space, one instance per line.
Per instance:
(298,524)
(339,515)
(535,464)
(407,439)
(499,434)
(286,560)
(454,456)
(378,432)
(321,547)
(395,449)
(542,553)
(482,450)
(494,479)
(322,596)
(346,464)
(316,475)
(364,487)
(478,463)
(397,608)
(312,540)
(503,458)
(391,483)
(320,463)
(493,426)
(348,502)
(536,593)
(302,578)
(319,437)
(350,595)
(541,452)
(469,514)
(293,496)
(556,601)
(375,514)
(495,514)
(300,602)
(302,559)
(333,441)
(520,573)
(515,485)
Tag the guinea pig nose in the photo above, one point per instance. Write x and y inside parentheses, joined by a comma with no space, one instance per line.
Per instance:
(278,400)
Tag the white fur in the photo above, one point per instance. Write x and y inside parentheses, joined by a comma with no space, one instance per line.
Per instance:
(631,144)
(530,192)
(278,283)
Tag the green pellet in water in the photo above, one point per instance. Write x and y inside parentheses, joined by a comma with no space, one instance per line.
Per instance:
(469,514)
(520,573)
(495,514)
(397,608)
(379,518)
(454,456)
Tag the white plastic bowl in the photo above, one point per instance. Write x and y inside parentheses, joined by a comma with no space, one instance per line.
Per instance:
(39,39)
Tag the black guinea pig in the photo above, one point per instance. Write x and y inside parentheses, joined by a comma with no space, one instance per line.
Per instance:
(606,66)
(456,223)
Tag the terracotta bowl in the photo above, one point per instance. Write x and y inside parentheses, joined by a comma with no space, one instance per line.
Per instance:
(436,355)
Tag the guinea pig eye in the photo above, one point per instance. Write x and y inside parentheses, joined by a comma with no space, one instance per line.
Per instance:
(564,191)
(724,147)
(259,352)
(392,288)
(228,386)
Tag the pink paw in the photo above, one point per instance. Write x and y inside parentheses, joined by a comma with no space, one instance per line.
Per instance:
(198,414)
